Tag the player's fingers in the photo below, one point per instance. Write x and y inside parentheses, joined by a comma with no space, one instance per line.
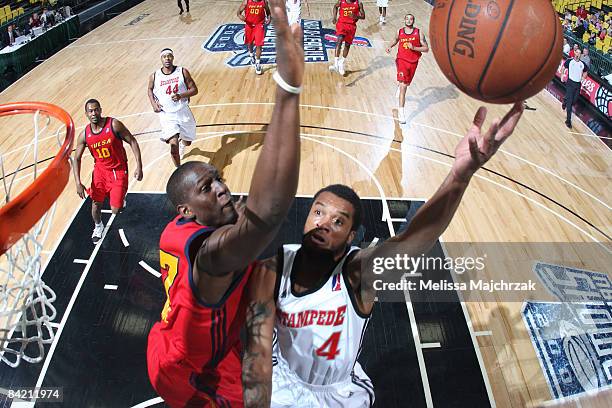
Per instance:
(473,144)
(489,138)
(510,121)
(480,116)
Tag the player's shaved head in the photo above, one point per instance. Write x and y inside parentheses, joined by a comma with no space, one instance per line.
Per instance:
(181,182)
(92,101)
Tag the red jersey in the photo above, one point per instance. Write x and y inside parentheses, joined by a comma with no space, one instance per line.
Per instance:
(405,53)
(255,12)
(106,147)
(200,333)
(348,12)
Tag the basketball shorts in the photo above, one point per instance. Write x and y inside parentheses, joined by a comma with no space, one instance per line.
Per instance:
(288,390)
(347,30)
(405,70)
(109,183)
(180,122)
(176,381)
(254,34)
(382,3)
(294,11)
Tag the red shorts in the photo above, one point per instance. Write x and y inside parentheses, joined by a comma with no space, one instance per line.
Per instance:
(182,385)
(113,183)
(254,34)
(405,70)
(347,30)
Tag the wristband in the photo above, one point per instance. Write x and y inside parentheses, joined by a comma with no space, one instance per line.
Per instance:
(281,82)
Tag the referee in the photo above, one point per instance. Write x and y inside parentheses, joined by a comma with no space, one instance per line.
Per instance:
(577,71)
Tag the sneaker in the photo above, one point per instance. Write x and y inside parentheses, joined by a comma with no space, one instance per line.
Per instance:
(563,106)
(383,20)
(333,68)
(341,68)
(380,20)
(401,115)
(258,70)
(96,236)
(568,124)
(252,59)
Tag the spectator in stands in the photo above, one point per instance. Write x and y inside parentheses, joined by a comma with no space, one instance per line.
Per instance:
(593,39)
(579,30)
(573,51)
(602,34)
(9,36)
(585,57)
(576,72)
(581,12)
(566,46)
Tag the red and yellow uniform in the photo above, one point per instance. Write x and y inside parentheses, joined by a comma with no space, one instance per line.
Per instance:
(407,60)
(110,173)
(254,28)
(347,22)
(193,353)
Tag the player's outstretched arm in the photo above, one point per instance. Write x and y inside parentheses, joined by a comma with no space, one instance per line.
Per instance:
(260,316)
(430,221)
(124,133)
(156,106)
(76,169)
(275,178)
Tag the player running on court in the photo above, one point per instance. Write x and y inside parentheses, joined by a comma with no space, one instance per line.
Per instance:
(412,44)
(170,88)
(256,15)
(104,137)
(346,26)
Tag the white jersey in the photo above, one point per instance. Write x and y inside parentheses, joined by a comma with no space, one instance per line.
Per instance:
(319,332)
(165,85)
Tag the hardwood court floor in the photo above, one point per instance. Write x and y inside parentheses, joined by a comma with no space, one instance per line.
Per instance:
(546,185)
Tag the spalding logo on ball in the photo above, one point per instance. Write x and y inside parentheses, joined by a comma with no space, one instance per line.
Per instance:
(500,51)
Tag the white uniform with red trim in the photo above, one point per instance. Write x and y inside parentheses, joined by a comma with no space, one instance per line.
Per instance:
(317,341)
(294,11)
(175,117)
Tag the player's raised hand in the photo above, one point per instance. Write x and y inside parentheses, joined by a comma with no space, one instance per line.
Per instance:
(476,147)
(289,51)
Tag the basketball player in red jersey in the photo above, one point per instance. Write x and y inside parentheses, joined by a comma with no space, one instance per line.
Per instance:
(346,26)
(412,44)
(104,137)
(207,252)
(319,295)
(255,14)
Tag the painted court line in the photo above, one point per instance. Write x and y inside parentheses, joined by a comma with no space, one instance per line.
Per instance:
(81,261)
(110,287)
(151,402)
(483,333)
(373,243)
(123,238)
(149,269)
(430,345)
(107,211)
(75,294)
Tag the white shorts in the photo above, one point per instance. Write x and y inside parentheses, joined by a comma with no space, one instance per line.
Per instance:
(289,391)
(294,11)
(180,122)
(382,3)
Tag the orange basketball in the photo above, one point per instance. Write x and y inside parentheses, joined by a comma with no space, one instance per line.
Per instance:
(498,51)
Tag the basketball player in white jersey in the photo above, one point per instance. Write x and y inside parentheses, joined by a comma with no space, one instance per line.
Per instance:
(294,11)
(170,88)
(318,298)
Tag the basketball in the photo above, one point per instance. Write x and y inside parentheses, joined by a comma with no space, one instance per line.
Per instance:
(497,51)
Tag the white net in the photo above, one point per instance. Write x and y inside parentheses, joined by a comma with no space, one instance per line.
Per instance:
(26,310)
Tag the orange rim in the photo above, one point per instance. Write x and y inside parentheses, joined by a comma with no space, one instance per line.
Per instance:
(20,214)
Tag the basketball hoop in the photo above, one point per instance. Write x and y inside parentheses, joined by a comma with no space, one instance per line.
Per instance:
(25,220)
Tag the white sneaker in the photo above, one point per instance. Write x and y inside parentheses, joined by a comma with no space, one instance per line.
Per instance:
(96,236)
(181,150)
(258,70)
(252,59)
(401,115)
(333,68)
(341,68)
(380,19)
(383,20)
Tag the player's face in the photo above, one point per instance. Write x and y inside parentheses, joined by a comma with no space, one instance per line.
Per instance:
(409,20)
(94,113)
(167,60)
(210,200)
(329,223)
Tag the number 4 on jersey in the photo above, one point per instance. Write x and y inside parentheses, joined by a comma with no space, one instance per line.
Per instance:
(170,91)
(331,345)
